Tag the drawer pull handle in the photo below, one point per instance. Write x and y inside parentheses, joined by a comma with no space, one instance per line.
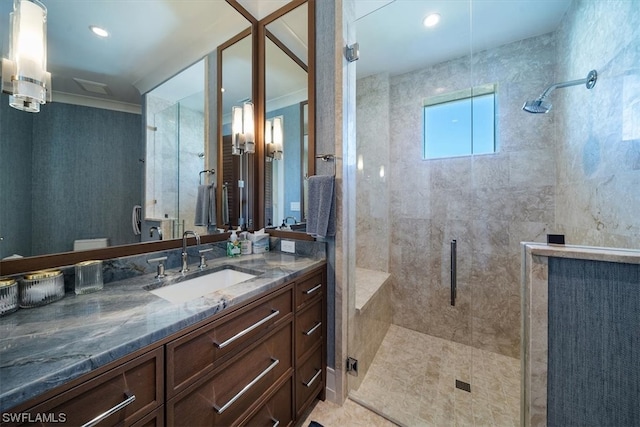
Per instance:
(276,423)
(129,400)
(249,329)
(220,410)
(312,330)
(312,380)
(312,290)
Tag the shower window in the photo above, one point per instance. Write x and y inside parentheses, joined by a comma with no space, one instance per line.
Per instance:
(460,123)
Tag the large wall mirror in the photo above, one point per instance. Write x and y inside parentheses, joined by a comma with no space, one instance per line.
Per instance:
(176,161)
(288,130)
(76,170)
(236,183)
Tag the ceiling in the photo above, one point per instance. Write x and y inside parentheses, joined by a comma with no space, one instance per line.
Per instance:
(392,38)
(152,40)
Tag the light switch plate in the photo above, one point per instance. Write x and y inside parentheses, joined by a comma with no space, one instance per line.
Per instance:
(288,246)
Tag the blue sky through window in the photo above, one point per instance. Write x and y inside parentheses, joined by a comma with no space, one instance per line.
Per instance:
(460,127)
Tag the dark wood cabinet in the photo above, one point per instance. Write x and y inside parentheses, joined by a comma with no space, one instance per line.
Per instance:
(122,395)
(310,339)
(260,364)
(197,353)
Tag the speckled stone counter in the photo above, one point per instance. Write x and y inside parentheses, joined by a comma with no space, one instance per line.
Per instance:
(42,348)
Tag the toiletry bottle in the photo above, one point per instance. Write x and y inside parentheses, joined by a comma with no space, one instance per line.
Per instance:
(233,245)
(245,244)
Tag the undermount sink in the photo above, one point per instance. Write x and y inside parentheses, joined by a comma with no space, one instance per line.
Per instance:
(196,287)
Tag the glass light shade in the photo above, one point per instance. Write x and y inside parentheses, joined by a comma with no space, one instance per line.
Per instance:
(236,120)
(278,137)
(267,132)
(248,127)
(236,130)
(28,55)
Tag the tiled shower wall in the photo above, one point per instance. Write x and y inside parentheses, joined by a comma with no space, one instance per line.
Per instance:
(487,203)
(598,194)
(575,170)
(372,188)
(174,150)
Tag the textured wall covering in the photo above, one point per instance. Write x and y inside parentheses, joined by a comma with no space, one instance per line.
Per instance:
(79,172)
(290,160)
(86,175)
(598,134)
(15,179)
(593,370)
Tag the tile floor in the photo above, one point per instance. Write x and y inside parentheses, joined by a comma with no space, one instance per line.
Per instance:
(412,381)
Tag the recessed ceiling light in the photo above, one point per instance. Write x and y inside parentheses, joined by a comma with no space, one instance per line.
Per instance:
(100,32)
(431,20)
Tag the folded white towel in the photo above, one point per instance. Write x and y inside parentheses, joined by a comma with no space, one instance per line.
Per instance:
(321,219)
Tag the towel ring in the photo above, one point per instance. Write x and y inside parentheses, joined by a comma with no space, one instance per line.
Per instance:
(326,158)
(207,171)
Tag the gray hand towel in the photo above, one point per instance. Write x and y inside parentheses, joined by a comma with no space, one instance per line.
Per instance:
(212,206)
(225,205)
(321,220)
(206,206)
(202,205)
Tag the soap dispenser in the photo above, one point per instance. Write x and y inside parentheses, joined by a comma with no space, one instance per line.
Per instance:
(233,245)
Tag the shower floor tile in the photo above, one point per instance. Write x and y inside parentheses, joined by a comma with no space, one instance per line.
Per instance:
(412,380)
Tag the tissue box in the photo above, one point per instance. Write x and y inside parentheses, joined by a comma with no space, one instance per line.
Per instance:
(261,246)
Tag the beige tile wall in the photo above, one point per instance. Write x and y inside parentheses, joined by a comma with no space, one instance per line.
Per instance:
(488,203)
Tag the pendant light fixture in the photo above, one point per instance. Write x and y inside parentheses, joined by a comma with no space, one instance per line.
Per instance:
(24,73)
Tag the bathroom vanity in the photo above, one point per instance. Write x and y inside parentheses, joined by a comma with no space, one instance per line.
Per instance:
(251,354)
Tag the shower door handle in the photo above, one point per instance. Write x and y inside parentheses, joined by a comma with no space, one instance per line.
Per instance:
(454,268)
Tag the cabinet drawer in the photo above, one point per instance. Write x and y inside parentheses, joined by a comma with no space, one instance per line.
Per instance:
(277,411)
(154,419)
(195,354)
(141,377)
(223,398)
(309,327)
(309,380)
(309,287)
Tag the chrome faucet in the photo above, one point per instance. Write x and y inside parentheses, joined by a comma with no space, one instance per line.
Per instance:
(185,267)
(159,230)
(295,221)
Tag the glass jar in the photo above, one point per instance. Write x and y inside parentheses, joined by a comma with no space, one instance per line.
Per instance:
(88,277)
(41,287)
(8,296)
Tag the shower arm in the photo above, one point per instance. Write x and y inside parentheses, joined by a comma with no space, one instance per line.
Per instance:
(589,81)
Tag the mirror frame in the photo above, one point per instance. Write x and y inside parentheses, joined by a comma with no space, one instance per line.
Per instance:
(259,213)
(23,265)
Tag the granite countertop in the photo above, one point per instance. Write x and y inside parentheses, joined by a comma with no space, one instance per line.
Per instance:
(42,348)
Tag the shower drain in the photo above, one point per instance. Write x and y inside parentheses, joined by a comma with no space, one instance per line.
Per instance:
(463,386)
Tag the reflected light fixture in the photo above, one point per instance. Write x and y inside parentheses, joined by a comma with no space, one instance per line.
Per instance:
(99,31)
(242,127)
(24,73)
(431,20)
(274,138)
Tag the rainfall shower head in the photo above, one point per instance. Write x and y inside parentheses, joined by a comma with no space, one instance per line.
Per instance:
(541,106)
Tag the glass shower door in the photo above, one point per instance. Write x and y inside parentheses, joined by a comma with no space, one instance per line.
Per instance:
(411,340)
